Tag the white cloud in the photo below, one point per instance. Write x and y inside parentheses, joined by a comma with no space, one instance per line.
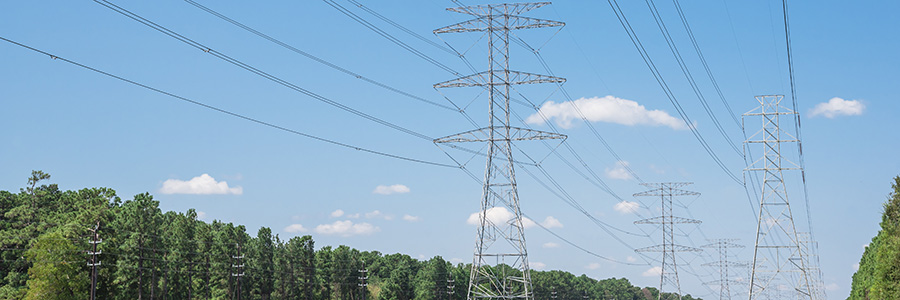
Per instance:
(201,215)
(550,245)
(200,185)
(498,216)
(626,207)
(411,218)
(373,214)
(537,265)
(630,259)
(832,287)
(337,213)
(551,222)
(294,228)
(346,228)
(606,109)
(855,267)
(593,266)
(620,171)
(838,107)
(391,189)
(654,271)
(354,216)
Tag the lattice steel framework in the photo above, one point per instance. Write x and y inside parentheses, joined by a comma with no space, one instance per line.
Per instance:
(776,235)
(499,270)
(810,250)
(721,246)
(669,272)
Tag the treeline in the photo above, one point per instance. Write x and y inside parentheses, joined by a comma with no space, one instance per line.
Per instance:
(49,239)
(878,276)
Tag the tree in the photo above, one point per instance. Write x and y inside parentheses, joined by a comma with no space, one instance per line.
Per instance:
(878,276)
(57,272)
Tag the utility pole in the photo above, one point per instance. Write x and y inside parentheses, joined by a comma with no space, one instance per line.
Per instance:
(721,246)
(776,235)
(363,276)
(669,268)
(239,269)
(450,288)
(499,192)
(95,262)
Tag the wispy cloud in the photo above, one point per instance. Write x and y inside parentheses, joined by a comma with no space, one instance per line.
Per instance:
(346,228)
(838,107)
(337,213)
(391,189)
(626,207)
(593,266)
(537,265)
(550,245)
(409,218)
(200,185)
(498,216)
(619,171)
(654,271)
(604,109)
(294,228)
(551,222)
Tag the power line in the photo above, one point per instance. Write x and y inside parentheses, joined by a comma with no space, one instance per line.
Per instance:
(256,71)
(233,114)
(673,48)
(317,59)
(623,20)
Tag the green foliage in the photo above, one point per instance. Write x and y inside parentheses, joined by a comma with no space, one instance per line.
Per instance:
(878,276)
(151,254)
(57,271)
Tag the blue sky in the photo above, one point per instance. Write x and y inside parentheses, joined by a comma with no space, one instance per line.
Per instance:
(90,130)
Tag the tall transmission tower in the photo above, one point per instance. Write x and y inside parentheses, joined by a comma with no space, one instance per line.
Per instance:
(510,276)
(721,246)
(666,192)
(776,235)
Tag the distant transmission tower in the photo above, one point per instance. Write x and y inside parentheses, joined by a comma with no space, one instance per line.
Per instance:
(510,278)
(810,250)
(669,271)
(721,246)
(776,236)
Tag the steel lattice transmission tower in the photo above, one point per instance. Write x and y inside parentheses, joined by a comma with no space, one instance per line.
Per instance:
(810,250)
(776,235)
(667,191)
(721,246)
(500,243)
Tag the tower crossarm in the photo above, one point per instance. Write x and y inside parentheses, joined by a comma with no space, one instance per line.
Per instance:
(515,78)
(505,8)
(515,134)
(722,263)
(667,220)
(668,247)
(487,23)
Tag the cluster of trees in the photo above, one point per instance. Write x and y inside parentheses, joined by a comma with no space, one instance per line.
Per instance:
(47,237)
(878,276)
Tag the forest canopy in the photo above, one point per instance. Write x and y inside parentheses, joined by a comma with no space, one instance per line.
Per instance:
(52,241)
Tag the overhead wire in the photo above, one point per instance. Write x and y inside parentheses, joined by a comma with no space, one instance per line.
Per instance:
(254,70)
(623,20)
(230,113)
(673,48)
(709,73)
(316,58)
